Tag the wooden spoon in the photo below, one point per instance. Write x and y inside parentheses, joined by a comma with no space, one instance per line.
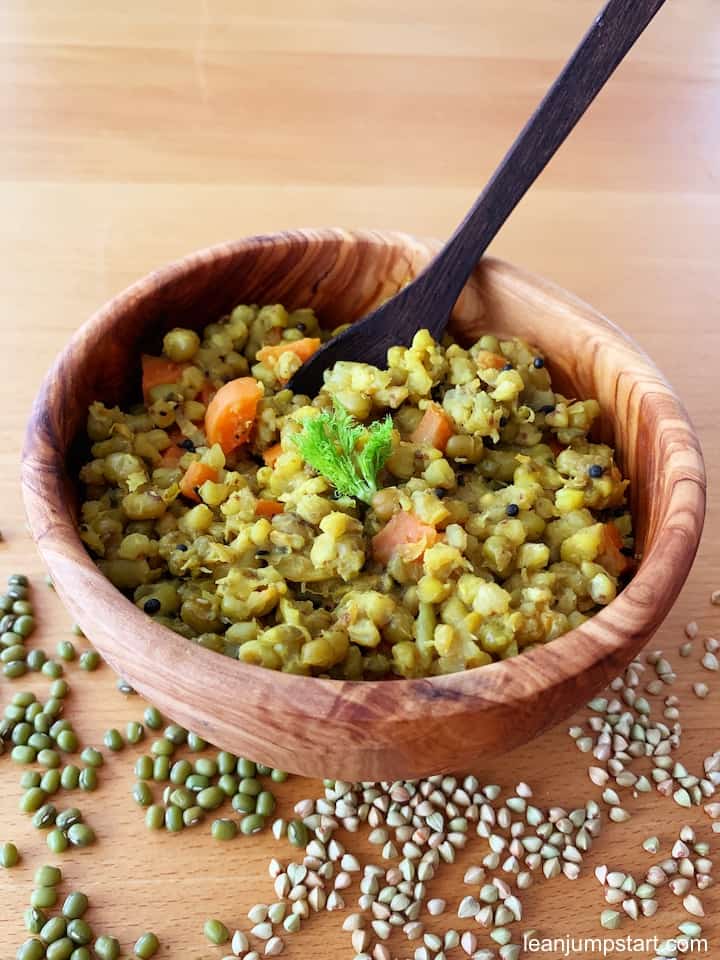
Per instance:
(428,301)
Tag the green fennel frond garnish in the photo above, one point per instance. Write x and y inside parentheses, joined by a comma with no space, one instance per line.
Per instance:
(345,452)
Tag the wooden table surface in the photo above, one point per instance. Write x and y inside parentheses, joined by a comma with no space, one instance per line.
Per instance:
(133,133)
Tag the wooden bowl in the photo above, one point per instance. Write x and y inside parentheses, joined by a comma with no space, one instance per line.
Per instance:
(367,730)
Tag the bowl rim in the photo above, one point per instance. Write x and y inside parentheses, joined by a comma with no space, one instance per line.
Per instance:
(545,667)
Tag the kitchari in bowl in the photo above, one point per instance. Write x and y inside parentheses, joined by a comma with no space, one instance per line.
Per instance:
(437,515)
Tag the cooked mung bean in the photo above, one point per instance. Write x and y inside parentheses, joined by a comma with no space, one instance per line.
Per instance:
(489,523)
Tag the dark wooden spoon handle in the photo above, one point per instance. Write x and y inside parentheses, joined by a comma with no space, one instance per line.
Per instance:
(429,299)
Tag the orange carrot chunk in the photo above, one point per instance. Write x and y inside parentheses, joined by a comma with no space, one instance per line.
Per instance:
(171,456)
(195,475)
(268,508)
(271,454)
(231,413)
(610,555)
(303,349)
(157,371)
(435,428)
(401,529)
(486,358)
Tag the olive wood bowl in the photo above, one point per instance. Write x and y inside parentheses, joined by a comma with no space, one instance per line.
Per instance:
(380,729)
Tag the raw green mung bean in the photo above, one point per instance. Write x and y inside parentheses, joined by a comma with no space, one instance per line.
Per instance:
(182,797)
(175,734)
(9,855)
(88,779)
(35,659)
(134,732)
(80,931)
(144,768)
(297,833)
(10,654)
(58,726)
(44,816)
(216,932)
(70,777)
(66,818)
(180,771)
(153,718)
(92,757)
(53,706)
(21,734)
(75,905)
(59,688)
(81,953)
(107,948)
(228,784)
(24,625)
(265,803)
(252,823)
(53,929)
(195,742)
(57,841)
(34,919)
(31,949)
(81,835)
(161,769)
(51,781)
(48,876)
(66,650)
(224,829)
(43,897)
(123,686)
(30,778)
(89,660)
(243,803)
(49,758)
(147,946)
(210,798)
(173,819)
(279,776)
(51,668)
(113,740)
(67,741)
(162,747)
(192,816)
(142,794)
(226,762)
(196,782)
(23,754)
(40,741)
(206,767)
(155,817)
(250,785)
(15,669)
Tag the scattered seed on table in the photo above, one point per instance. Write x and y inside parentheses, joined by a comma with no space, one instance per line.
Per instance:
(224,829)
(710,662)
(147,946)
(89,660)
(113,740)
(66,650)
(75,905)
(9,855)
(107,948)
(216,932)
(92,757)
(81,835)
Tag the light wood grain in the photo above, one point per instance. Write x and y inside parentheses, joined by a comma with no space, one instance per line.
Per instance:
(131,136)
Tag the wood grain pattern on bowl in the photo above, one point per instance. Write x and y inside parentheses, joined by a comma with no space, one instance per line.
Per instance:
(396,728)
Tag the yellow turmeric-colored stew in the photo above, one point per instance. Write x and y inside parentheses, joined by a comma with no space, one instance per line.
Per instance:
(439,514)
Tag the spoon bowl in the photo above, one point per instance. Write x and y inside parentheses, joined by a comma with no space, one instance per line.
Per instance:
(394,728)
